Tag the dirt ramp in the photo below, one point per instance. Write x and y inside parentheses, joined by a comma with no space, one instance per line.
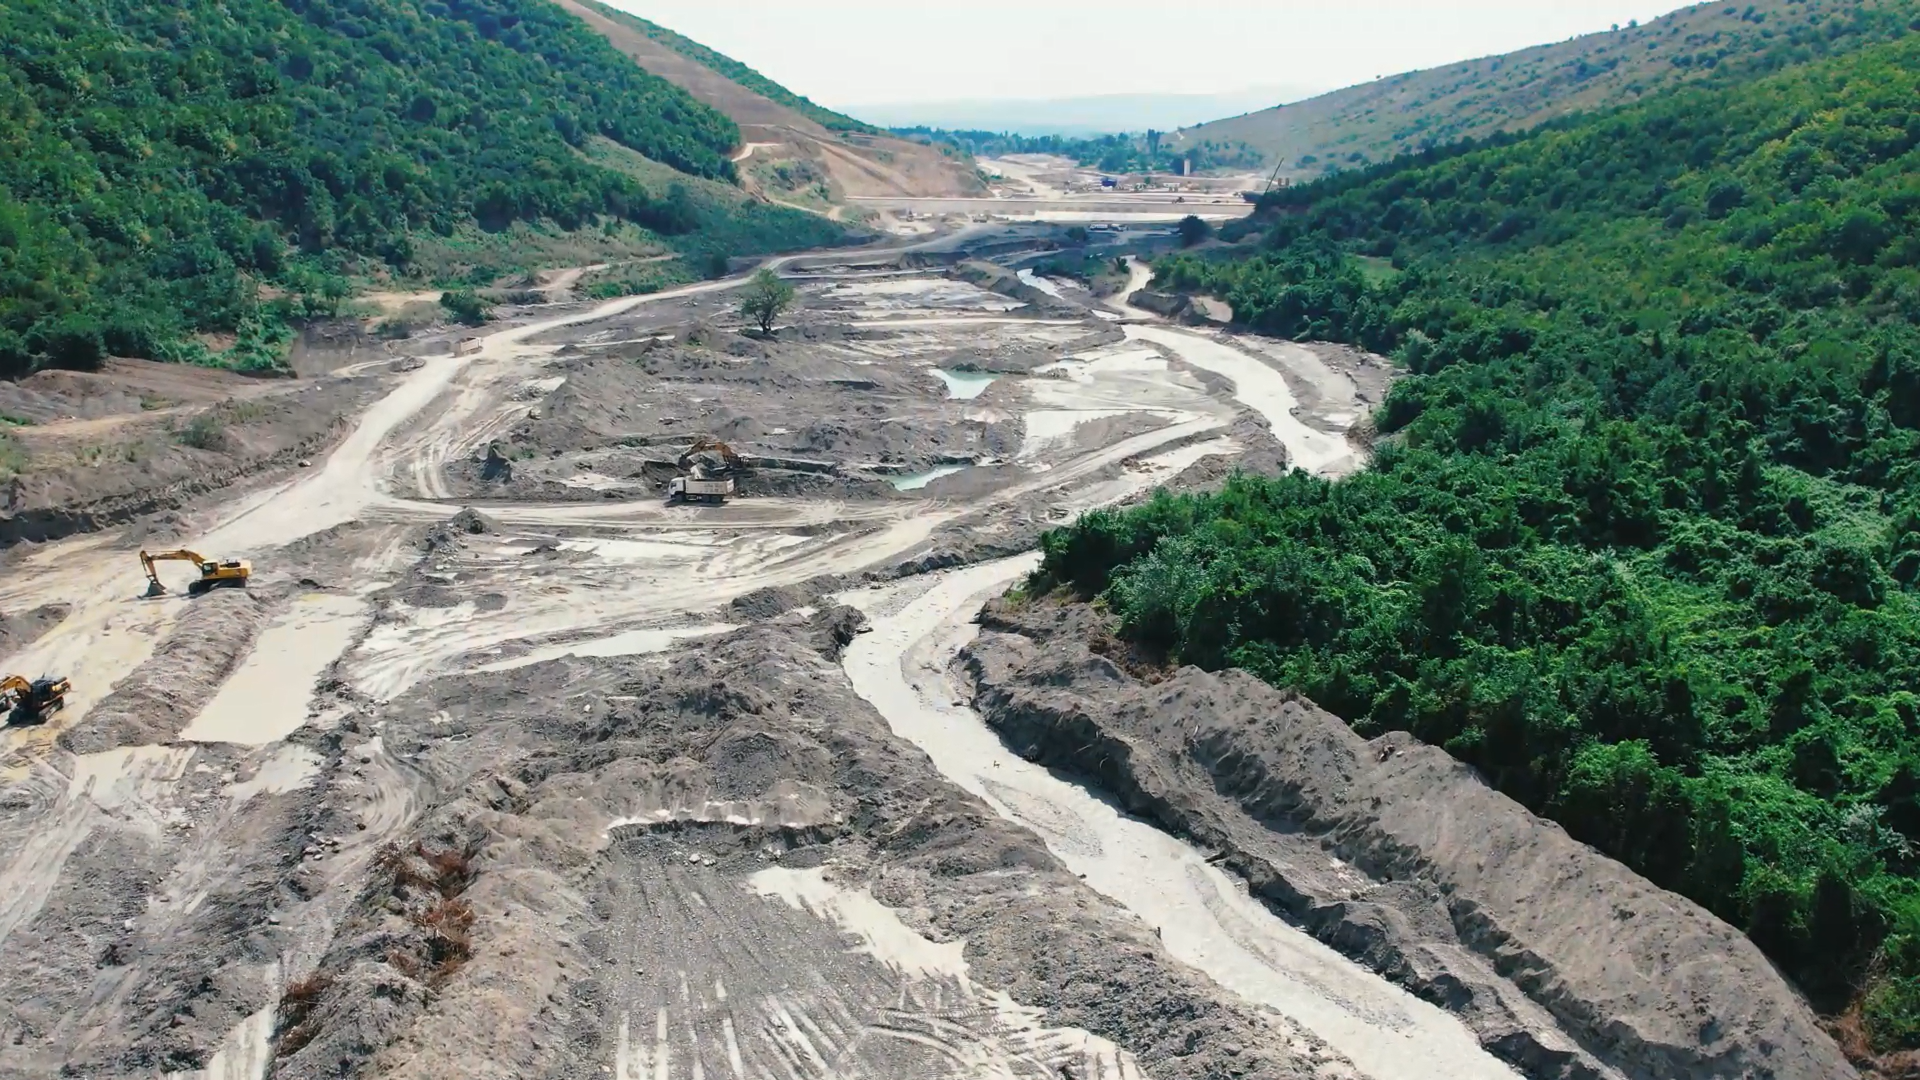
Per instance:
(1440,882)
(159,700)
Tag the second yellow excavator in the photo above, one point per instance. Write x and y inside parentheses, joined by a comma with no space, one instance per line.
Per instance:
(23,702)
(213,573)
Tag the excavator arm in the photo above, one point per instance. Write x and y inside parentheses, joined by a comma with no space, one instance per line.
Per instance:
(154,587)
(714,447)
(212,573)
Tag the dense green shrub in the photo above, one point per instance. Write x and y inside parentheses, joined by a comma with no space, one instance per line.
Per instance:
(466,306)
(1640,544)
(160,163)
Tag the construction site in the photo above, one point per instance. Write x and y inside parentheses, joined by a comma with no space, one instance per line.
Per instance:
(606,692)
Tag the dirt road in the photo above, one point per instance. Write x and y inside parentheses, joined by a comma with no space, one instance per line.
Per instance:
(1139,276)
(445,793)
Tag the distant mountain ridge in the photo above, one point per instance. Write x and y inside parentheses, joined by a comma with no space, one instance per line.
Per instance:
(1079,117)
(1375,121)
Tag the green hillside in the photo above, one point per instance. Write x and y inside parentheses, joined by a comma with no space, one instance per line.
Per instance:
(736,71)
(166,168)
(1641,540)
(1375,121)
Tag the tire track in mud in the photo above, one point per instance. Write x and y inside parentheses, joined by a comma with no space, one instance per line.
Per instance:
(778,972)
(120,788)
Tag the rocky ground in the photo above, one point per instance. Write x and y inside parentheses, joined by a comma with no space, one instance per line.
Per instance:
(1398,856)
(503,766)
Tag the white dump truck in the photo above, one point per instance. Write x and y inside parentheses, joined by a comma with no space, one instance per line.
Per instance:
(707,472)
(699,489)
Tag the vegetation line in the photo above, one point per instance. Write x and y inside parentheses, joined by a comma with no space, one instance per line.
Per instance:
(1641,541)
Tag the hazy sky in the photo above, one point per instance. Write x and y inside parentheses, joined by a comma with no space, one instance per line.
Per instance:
(844,53)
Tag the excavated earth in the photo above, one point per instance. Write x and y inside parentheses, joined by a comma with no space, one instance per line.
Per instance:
(505,767)
(1400,857)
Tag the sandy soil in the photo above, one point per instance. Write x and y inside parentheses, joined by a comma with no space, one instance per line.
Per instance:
(852,164)
(1205,918)
(577,782)
(1398,856)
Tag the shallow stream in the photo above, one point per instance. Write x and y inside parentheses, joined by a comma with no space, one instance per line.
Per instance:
(1204,917)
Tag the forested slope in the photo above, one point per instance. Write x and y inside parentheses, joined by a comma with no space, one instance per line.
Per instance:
(1642,538)
(164,167)
(1374,121)
(735,71)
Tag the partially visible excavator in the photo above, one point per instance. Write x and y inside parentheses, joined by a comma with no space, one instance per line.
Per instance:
(213,573)
(707,473)
(26,702)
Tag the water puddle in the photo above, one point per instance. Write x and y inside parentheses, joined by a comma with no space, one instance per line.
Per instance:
(266,699)
(288,768)
(1028,277)
(1261,388)
(964,385)
(916,481)
(630,643)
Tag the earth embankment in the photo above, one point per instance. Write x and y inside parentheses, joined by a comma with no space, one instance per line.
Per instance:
(1396,854)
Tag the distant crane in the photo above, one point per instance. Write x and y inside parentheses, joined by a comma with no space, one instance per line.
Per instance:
(1272,182)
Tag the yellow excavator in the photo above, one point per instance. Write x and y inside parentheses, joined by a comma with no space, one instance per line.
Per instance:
(213,573)
(25,702)
(707,473)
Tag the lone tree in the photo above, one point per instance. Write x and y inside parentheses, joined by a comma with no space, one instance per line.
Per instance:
(765,297)
(1193,230)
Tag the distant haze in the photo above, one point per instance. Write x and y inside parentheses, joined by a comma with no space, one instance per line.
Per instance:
(1081,115)
(856,54)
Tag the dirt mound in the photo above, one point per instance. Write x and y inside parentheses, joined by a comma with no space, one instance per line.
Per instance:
(89,474)
(21,629)
(472,522)
(454,531)
(836,628)
(159,700)
(596,836)
(998,279)
(762,604)
(1443,884)
(1165,304)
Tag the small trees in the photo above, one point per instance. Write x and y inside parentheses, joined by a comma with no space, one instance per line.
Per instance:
(467,306)
(764,298)
(1193,230)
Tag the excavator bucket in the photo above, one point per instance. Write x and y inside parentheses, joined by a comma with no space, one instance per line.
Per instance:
(154,588)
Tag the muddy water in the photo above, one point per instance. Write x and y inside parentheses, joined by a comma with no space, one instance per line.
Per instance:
(1205,918)
(628,643)
(964,385)
(916,481)
(1261,388)
(1045,285)
(266,699)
